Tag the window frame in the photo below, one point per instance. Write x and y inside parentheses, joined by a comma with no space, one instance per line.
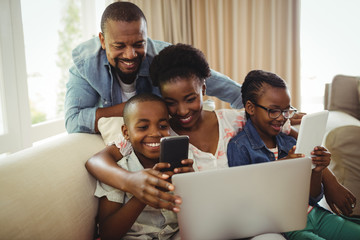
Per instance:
(19,133)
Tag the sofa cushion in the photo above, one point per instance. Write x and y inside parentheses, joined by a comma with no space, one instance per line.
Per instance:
(345,95)
(110,129)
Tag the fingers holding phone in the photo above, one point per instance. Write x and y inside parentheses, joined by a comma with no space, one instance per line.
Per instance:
(187,166)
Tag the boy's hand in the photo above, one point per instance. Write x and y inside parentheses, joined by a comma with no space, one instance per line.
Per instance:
(146,186)
(322,158)
(292,154)
(163,165)
(187,168)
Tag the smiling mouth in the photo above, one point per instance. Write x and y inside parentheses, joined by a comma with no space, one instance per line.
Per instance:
(185,120)
(127,63)
(153,145)
(276,127)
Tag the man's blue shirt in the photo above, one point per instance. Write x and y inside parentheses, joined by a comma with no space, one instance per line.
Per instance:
(92,84)
(247,147)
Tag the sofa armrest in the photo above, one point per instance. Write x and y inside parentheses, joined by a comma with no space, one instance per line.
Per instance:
(345,95)
(46,191)
(339,119)
(343,141)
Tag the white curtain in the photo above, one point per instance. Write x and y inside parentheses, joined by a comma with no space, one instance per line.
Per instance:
(236,36)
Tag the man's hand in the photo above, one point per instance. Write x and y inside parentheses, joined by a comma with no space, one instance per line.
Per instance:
(296,119)
(113,111)
(147,186)
(339,199)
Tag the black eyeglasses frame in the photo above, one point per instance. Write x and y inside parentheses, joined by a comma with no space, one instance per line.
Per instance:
(281,112)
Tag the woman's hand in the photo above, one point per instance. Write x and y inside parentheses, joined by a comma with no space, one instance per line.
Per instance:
(188,166)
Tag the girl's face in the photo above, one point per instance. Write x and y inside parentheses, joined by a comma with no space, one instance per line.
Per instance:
(184,99)
(272,98)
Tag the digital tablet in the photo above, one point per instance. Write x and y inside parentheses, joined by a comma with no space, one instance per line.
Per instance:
(311,132)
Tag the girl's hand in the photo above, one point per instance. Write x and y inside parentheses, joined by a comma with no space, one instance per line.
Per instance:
(150,186)
(322,158)
(187,168)
(292,154)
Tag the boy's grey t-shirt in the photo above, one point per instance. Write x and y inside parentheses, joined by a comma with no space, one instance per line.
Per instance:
(151,223)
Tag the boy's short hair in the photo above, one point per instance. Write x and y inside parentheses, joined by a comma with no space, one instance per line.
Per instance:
(251,88)
(121,11)
(142,97)
(180,60)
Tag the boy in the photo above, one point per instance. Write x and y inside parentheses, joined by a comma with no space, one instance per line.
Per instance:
(146,121)
(267,105)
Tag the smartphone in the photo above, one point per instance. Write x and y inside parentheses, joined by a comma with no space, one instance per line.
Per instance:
(173,149)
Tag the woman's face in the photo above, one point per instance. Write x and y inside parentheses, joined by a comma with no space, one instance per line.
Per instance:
(184,99)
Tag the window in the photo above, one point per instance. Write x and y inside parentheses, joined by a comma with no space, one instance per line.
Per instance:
(329,46)
(35,54)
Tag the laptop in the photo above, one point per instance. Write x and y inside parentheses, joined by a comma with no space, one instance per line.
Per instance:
(244,201)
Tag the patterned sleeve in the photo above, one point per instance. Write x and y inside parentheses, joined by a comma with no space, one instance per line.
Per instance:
(232,120)
(286,127)
(123,145)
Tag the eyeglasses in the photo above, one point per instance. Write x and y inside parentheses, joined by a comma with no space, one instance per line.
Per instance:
(275,113)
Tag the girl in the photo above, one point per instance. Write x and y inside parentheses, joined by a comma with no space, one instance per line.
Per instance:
(267,104)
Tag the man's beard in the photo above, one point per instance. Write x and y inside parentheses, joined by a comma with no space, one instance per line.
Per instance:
(127,78)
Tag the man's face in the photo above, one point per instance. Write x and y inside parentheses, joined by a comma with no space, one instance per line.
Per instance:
(125,45)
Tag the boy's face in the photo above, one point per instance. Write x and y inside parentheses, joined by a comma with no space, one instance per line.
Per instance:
(273,98)
(184,100)
(148,122)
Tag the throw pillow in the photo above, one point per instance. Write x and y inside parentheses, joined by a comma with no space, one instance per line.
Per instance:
(110,129)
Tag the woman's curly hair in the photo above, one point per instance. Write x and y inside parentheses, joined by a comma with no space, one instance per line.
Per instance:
(180,60)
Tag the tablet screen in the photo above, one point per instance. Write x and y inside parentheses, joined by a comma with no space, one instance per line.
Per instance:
(311,132)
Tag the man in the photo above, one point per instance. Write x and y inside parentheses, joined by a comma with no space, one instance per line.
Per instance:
(108,70)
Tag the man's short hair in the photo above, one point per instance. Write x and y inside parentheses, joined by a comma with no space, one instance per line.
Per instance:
(142,97)
(121,11)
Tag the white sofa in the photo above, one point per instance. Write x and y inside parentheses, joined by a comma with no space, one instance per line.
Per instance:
(46,191)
